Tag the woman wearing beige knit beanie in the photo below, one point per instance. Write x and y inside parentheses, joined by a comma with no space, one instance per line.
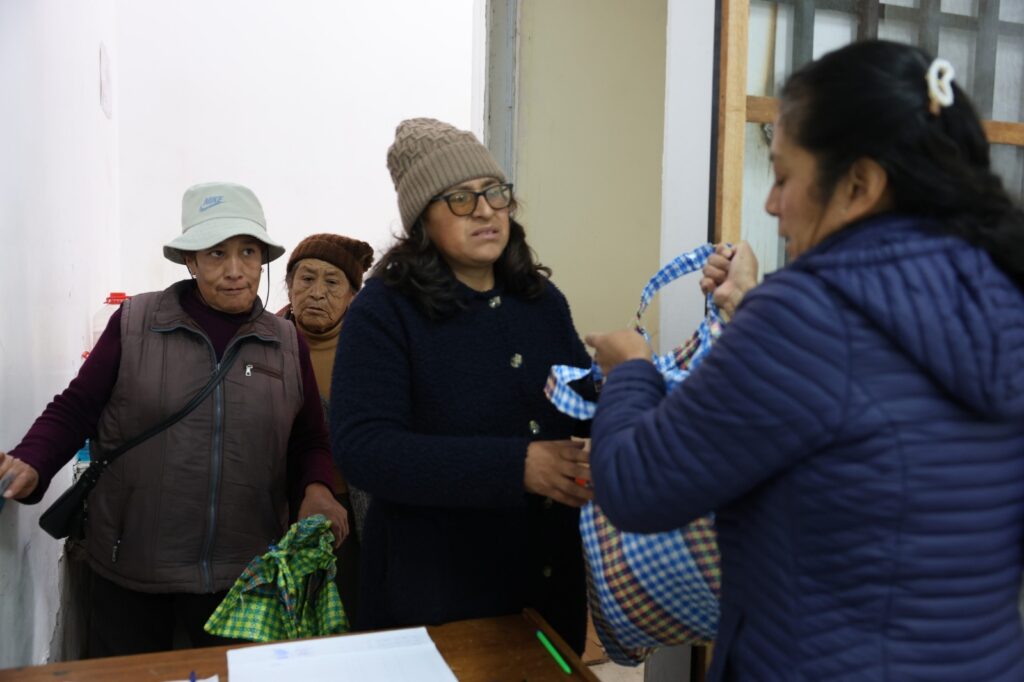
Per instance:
(438,408)
(323,274)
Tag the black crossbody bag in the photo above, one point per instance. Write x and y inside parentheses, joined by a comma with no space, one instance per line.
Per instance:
(66,516)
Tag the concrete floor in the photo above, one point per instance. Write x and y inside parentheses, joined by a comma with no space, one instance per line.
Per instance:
(613,672)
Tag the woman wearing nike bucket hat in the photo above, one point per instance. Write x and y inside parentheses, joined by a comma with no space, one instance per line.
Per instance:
(175,520)
(438,407)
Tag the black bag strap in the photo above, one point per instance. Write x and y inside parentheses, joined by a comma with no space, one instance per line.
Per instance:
(225,365)
(66,515)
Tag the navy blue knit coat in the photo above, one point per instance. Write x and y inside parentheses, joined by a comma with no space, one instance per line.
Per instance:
(860,429)
(433,418)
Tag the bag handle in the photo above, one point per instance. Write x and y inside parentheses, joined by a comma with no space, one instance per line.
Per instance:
(681,265)
(569,402)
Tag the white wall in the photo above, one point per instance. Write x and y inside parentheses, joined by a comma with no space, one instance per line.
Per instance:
(58,226)
(686,163)
(298,100)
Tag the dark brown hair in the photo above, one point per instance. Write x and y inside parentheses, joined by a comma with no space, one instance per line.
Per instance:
(870,99)
(415,267)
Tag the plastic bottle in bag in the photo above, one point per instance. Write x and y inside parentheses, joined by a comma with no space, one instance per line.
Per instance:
(83,453)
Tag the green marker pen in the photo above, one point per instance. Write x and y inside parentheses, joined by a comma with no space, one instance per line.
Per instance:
(554,652)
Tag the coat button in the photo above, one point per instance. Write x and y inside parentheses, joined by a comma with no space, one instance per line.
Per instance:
(548,502)
(494,302)
(546,572)
(534,427)
(516,361)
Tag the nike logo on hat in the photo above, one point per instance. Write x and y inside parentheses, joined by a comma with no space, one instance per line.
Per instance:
(210,202)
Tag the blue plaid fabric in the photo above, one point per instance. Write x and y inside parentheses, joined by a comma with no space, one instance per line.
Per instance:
(569,402)
(683,264)
(564,397)
(649,590)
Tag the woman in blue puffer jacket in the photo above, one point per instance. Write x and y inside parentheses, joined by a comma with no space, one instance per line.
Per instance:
(859,427)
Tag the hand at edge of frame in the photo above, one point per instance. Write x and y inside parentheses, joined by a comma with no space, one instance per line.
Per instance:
(23,477)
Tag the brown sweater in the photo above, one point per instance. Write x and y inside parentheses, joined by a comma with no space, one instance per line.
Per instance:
(322,348)
(321,352)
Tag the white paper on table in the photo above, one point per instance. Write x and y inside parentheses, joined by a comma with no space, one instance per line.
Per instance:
(393,656)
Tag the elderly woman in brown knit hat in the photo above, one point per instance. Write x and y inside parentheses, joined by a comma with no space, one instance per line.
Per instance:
(438,407)
(323,275)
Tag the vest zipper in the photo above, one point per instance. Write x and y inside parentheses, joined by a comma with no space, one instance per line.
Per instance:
(252,368)
(215,474)
(216,463)
(115,550)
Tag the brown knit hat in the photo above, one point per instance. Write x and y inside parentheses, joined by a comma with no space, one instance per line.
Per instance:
(353,256)
(428,157)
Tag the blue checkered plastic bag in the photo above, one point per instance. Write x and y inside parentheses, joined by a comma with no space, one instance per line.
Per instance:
(568,401)
(650,590)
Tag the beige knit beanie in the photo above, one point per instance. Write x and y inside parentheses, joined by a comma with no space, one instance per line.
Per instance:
(429,156)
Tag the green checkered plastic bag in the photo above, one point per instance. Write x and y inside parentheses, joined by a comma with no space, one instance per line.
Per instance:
(288,593)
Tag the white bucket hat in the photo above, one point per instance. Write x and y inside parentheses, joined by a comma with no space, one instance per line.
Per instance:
(215,211)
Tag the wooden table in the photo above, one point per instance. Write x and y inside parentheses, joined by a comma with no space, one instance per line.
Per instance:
(498,649)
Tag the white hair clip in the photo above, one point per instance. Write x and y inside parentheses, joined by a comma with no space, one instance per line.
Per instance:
(940,85)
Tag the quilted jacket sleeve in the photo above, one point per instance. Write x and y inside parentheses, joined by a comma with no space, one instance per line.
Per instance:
(772,391)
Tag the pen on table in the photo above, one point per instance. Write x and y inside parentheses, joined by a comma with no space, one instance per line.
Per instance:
(192,676)
(554,652)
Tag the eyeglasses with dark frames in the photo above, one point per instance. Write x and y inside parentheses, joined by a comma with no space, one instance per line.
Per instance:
(462,202)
